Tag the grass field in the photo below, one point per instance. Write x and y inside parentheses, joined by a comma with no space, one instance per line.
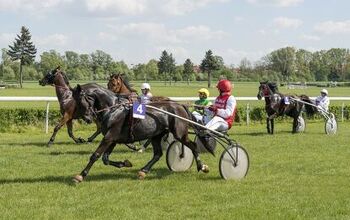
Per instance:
(242,89)
(302,176)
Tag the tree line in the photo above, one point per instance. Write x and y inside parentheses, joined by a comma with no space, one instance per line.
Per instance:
(283,65)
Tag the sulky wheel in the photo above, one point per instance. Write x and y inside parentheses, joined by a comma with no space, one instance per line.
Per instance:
(234,163)
(179,157)
(301,125)
(331,125)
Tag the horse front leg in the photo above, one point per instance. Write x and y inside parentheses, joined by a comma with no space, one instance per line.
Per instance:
(157,154)
(104,145)
(272,126)
(70,132)
(268,125)
(62,122)
(97,132)
(295,125)
(118,164)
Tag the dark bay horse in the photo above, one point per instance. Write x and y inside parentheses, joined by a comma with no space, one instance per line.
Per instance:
(118,126)
(276,105)
(64,93)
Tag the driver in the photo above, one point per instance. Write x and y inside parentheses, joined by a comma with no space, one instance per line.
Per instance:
(224,108)
(322,101)
(146,93)
(201,113)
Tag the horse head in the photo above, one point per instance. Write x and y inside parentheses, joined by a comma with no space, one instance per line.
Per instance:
(85,104)
(49,78)
(266,89)
(119,84)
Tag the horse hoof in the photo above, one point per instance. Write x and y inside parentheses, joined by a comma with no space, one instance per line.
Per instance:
(80,140)
(141,175)
(205,168)
(127,163)
(78,179)
(49,144)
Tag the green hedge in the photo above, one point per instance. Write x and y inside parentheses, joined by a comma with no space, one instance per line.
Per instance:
(36,117)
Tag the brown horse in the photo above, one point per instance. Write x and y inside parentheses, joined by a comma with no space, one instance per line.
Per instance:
(275,105)
(59,80)
(119,84)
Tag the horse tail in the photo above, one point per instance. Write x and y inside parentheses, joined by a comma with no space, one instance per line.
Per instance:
(310,109)
(199,131)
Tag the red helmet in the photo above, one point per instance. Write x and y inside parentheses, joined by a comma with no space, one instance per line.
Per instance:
(224,85)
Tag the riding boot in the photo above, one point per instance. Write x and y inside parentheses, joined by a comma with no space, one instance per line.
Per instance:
(208,141)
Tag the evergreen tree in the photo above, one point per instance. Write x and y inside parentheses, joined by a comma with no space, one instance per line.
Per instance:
(209,64)
(188,70)
(22,50)
(166,65)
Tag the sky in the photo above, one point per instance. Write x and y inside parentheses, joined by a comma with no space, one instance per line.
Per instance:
(136,31)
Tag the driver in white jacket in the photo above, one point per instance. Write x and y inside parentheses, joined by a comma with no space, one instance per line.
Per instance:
(322,101)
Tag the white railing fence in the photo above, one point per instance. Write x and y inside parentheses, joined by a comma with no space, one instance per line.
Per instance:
(54,99)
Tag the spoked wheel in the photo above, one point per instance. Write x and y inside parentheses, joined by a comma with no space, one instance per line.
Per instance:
(331,125)
(301,125)
(234,163)
(179,157)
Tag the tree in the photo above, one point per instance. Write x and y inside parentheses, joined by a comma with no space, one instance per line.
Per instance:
(283,61)
(209,64)
(50,60)
(166,66)
(188,70)
(100,64)
(23,50)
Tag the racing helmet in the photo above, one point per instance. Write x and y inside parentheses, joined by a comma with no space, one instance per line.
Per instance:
(324,91)
(205,91)
(145,86)
(224,85)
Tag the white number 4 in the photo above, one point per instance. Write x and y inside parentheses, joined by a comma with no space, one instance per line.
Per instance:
(139,109)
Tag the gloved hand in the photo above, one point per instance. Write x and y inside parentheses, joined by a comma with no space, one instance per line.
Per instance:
(213,108)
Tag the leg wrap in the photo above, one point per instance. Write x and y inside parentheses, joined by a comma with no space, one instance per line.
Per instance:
(105,159)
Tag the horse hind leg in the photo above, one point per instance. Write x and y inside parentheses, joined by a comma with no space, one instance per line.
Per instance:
(157,154)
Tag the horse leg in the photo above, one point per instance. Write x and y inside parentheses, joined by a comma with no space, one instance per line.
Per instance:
(104,145)
(268,125)
(118,164)
(62,122)
(295,125)
(157,154)
(97,132)
(272,125)
(70,132)
(195,151)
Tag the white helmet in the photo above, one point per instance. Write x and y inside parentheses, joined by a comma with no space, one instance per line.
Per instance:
(145,86)
(324,91)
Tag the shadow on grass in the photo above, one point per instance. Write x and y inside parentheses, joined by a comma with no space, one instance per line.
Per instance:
(129,174)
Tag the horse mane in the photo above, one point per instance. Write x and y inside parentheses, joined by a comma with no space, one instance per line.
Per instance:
(65,78)
(273,86)
(125,80)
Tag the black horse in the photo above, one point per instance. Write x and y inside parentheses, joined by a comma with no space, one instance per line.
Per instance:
(118,126)
(64,93)
(276,104)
